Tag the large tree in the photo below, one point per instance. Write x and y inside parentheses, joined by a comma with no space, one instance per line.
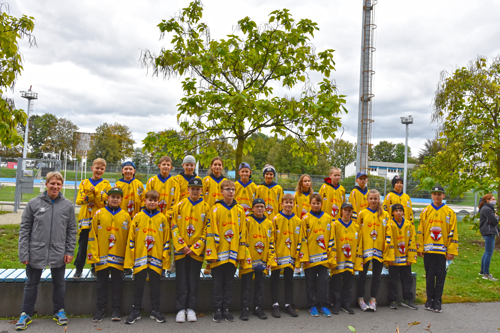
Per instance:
(12,29)
(467,109)
(341,153)
(112,142)
(229,84)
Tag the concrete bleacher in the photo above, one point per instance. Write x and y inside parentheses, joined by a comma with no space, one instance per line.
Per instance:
(81,294)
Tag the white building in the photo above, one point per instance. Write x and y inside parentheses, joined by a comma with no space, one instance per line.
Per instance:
(382,169)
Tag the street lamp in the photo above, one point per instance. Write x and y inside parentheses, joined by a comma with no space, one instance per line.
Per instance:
(29,95)
(407,121)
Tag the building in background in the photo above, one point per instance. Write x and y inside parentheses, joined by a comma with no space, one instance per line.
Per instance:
(382,169)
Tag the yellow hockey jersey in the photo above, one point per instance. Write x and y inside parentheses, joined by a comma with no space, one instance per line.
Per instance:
(272,194)
(148,242)
(437,231)
(211,189)
(333,198)
(260,243)
(133,195)
(226,234)
(169,191)
(302,204)
(346,242)
(374,239)
(108,238)
(183,181)
(317,240)
(189,228)
(404,243)
(359,200)
(89,201)
(399,198)
(245,193)
(286,240)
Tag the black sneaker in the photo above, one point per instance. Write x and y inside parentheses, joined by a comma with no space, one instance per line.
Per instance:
(128,271)
(245,314)
(116,315)
(156,315)
(276,311)
(134,315)
(346,308)
(335,309)
(428,306)
(218,316)
(393,305)
(291,311)
(259,312)
(409,304)
(437,307)
(78,274)
(227,315)
(99,314)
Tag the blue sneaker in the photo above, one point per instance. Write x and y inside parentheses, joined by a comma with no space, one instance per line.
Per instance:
(324,310)
(23,322)
(313,312)
(60,318)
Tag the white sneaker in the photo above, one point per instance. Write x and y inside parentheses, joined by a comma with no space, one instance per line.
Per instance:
(362,304)
(191,315)
(181,316)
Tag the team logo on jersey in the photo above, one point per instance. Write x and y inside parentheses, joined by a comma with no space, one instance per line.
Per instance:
(208,252)
(259,247)
(301,255)
(304,212)
(249,261)
(436,233)
(374,234)
(112,241)
(196,246)
(246,208)
(447,218)
(90,205)
(269,209)
(162,205)
(125,225)
(89,256)
(181,241)
(203,217)
(335,210)
(408,203)
(190,230)
(402,247)
(149,242)
(288,243)
(297,230)
(130,206)
(139,191)
(346,250)
(321,241)
(228,235)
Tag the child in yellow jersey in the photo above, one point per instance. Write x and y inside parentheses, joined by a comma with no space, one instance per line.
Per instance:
(342,276)
(148,253)
(374,246)
(302,196)
(211,183)
(189,165)
(92,196)
(270,191)
(133,189)
(405,254)
(166,185)
(358,197)
(315,252)
(437,241)
(397,196)
(286,227)
(246,189)
(226,245)
(333,193)
(106,249)
(189,229)
(260,245)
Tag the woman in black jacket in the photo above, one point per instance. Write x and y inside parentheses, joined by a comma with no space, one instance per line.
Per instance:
(488,223)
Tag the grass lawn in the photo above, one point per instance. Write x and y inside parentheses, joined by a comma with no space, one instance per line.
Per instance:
(2,212)
(7,193)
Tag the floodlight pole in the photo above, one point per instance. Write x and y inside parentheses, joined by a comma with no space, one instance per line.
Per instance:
(406,121)
(29,95)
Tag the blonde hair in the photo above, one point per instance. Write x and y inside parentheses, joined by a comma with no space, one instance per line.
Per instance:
(333,168)
(298,189)
(287,196)
(54,174)
(216,158)
(165,159)
(99,161)
(226,183)
(379,205)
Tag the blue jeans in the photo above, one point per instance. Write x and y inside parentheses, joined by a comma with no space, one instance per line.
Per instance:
(489,246)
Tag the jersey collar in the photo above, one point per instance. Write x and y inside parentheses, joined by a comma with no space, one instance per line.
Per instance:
(318,215)
(217,180)
(287,216)
(95,182)
(127,181)
(257,219)
(373,211)
(194,203)
(437,208)
(244,185)
(163,180)
(402,222)
(151,213)
(113,211)
(362,191)
(396,193)
(273,184)
(344,224)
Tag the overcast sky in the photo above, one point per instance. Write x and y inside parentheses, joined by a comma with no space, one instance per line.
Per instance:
(86,67)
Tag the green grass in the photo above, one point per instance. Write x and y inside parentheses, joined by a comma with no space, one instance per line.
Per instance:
(3,212)
(7,193)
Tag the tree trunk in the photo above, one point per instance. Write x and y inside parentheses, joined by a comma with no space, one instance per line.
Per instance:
(239,154)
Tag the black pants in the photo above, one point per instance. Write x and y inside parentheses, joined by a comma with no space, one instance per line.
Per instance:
(435,275)
(341,287)
(31,288)
(81,256)
(275,278)
(376,270)
(187,279)
(154,286)
(317,286)
(223,281)
(102,287)
(246,288)
(403,273)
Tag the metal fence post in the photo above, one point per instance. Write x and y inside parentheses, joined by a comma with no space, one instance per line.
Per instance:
(76,180)
(17,196)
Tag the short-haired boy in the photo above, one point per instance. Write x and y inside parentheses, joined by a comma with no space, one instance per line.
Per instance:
(246,189)
(437,241)
(405,254)
(148,253)
(333,193)
(189,230)
(359,195)
(133,189)
(106,249)
(226,246)
(165,184)
(270,191)
(260,245)
(188,166)
(92,196)
(398,197)
(317,241)
(286,227)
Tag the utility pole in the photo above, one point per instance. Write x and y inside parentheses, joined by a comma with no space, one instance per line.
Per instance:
(30,96)
(406,121)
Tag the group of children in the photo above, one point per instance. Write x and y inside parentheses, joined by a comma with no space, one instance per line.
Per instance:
(258,229)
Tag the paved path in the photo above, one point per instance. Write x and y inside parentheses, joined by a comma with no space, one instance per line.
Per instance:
(465,317)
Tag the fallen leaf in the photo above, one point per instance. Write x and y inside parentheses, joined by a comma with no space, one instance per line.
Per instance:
(397,329)
(65,328)
(351,328)
(13,322)
(98,328)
